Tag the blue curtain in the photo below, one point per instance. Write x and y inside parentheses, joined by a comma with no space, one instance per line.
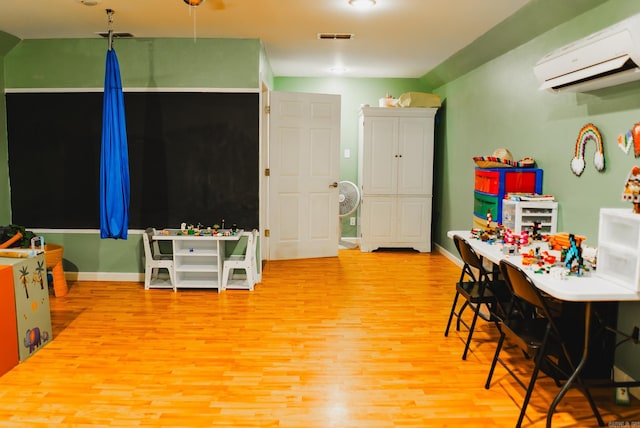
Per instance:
(114,156)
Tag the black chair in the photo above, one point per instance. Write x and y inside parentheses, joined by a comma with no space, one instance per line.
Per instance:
(538,336)
(480,289)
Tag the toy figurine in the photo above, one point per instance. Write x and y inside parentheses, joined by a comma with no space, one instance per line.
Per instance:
(535,231)
(574,254)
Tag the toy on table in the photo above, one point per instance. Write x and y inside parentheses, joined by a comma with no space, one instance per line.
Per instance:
(536,231)
(561,240)
(518,239)
(573,259)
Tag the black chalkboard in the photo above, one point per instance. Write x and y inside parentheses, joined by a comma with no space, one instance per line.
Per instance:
(193,157)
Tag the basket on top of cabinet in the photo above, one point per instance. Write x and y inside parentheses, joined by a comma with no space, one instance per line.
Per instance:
(492,184)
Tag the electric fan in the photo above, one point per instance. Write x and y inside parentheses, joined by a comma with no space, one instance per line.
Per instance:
(348,199)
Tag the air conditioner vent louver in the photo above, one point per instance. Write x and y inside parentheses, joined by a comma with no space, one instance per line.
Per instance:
(335,36)
(628,65)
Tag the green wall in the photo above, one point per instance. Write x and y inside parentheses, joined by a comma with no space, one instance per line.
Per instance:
(144,63)
(225,64)
(498,104)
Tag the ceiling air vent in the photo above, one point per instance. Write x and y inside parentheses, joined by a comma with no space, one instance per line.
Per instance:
(335,36)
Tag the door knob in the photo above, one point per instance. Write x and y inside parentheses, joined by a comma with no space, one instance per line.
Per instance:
(334,184)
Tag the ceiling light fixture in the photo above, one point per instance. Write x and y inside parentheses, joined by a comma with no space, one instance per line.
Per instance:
(362,3)
(194,2)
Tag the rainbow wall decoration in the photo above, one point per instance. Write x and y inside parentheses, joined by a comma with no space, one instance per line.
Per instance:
(589,132)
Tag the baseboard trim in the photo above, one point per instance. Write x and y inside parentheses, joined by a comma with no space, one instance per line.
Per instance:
(105,276)
(440,249)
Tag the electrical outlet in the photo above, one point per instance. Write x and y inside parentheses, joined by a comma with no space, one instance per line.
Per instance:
(352,221)
(622,396)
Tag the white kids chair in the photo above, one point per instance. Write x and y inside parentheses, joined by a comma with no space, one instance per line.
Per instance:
(246,262)
(155,261)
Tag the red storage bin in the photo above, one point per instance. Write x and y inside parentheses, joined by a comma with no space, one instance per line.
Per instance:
(487,181)
(523,182)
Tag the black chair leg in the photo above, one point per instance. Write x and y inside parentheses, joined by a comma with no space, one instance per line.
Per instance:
(527,397)
(453,311)
(459,320)
(495,361)
(471,328)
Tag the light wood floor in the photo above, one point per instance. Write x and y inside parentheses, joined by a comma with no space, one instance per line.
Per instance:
(353,341)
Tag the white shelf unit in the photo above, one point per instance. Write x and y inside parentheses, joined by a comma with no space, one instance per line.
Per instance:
(619,247)
(520,215)
(197,262)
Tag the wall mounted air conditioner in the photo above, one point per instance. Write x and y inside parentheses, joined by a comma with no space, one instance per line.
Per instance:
(607,58)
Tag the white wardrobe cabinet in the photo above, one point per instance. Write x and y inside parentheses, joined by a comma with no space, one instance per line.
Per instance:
(396,177)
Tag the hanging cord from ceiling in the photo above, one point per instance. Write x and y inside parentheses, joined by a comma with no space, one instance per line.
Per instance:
(192,5)
(110,13)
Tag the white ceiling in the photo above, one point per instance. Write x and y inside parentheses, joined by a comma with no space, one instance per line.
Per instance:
(396,38)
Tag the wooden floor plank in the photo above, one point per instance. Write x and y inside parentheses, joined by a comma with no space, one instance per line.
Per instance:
(351,341)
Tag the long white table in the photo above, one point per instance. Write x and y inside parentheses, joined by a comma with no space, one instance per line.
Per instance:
(197,260)
(587,289)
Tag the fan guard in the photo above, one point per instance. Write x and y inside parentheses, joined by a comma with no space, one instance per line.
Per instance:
(348,198)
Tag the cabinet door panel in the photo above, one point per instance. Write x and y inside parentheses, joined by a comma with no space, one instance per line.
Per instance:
(380,155)
(415,148)
(414,219)
(378,218)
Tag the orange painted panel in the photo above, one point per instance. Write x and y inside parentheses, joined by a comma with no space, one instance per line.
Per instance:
(8,326)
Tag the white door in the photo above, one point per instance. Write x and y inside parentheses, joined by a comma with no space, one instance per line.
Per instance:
(304,155)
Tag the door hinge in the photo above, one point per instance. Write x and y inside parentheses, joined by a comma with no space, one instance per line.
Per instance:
(267,172)
(267,233)
(267,109)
